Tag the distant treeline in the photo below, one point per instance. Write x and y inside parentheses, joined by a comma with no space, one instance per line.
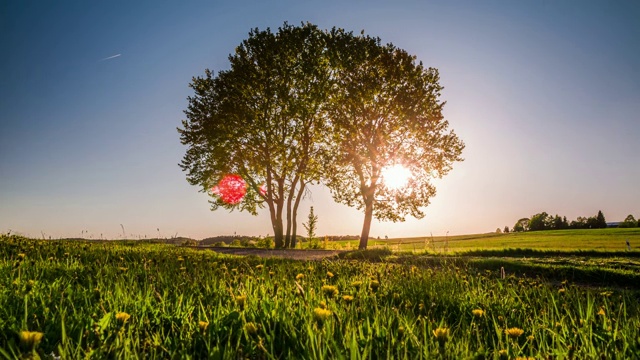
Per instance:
(544,221)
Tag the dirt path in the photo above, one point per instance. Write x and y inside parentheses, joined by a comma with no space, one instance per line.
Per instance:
(277,253)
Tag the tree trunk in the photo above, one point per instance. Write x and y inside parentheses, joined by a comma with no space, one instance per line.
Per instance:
(290,196)
(287,239)
(277,227)
(295,213)
(366,226)
(277,234)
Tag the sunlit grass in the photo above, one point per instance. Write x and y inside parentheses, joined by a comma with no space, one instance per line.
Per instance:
(613,239)
(174,302)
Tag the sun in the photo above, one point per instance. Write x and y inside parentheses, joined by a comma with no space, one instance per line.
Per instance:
(395,177)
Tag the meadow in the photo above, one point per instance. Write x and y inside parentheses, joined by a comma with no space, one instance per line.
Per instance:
(136,299)
(613,239)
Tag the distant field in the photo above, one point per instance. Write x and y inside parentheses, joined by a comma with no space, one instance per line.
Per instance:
(585,240)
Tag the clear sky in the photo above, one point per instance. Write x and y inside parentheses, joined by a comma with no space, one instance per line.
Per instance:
(545,94)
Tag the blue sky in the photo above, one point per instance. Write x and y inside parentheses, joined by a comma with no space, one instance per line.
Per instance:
(545,94)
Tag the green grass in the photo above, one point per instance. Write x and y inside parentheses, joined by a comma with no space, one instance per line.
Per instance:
(597,239)
(72,291)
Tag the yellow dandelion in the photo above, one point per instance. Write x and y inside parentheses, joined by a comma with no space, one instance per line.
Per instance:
(299,276)
(22,256)
(30,338)
(558,325)
(251,328)
(441,334)
(530,338)
(329,274)
(203,325)
(320,315)
(122,317)
(271,273)
(356,284)
(601,312)
(183,268)
(477,312)
(561,291)
(330,290)
(347,298)
(514,332)
(310,268)
(374,285)
(240,300)
(123,269)
(503,355)
(259,267)
(323,305)
(180,258)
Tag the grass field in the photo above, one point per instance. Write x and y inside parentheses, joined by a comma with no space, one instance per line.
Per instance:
(133,300)
(597,239)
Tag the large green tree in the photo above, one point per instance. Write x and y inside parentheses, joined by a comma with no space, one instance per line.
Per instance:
(384,110)
(261,119)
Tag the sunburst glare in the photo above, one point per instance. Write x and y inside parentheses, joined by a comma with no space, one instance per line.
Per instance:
(395,177)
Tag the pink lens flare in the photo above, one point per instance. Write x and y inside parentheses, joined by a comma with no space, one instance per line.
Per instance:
(231,189)
(263,189)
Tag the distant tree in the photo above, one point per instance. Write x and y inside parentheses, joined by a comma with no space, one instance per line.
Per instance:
(601,223)
(521,225)
(385,110)
(579,223)
(498,231)
(565,223)
(506,230)
(539,222)
(629,222)
(557,223)
(592,223)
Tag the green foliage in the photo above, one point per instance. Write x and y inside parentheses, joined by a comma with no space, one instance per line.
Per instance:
(629,222)
(539,222)
(544,221)
(521,225)
(145,300)
(301,105)
(385,110)
(310,226)
(265,242)
(261,119)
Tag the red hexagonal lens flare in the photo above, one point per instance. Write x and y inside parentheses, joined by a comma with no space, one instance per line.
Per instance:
(231,189)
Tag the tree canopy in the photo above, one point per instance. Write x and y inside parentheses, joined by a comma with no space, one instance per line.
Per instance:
(384,109)
(261,119)
(304,105)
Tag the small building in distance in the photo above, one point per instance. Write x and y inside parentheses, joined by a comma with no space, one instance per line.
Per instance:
(614,224)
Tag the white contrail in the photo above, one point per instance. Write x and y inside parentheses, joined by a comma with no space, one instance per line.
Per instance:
(111,57)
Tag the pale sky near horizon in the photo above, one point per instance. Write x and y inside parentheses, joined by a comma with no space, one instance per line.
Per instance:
(545,94)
